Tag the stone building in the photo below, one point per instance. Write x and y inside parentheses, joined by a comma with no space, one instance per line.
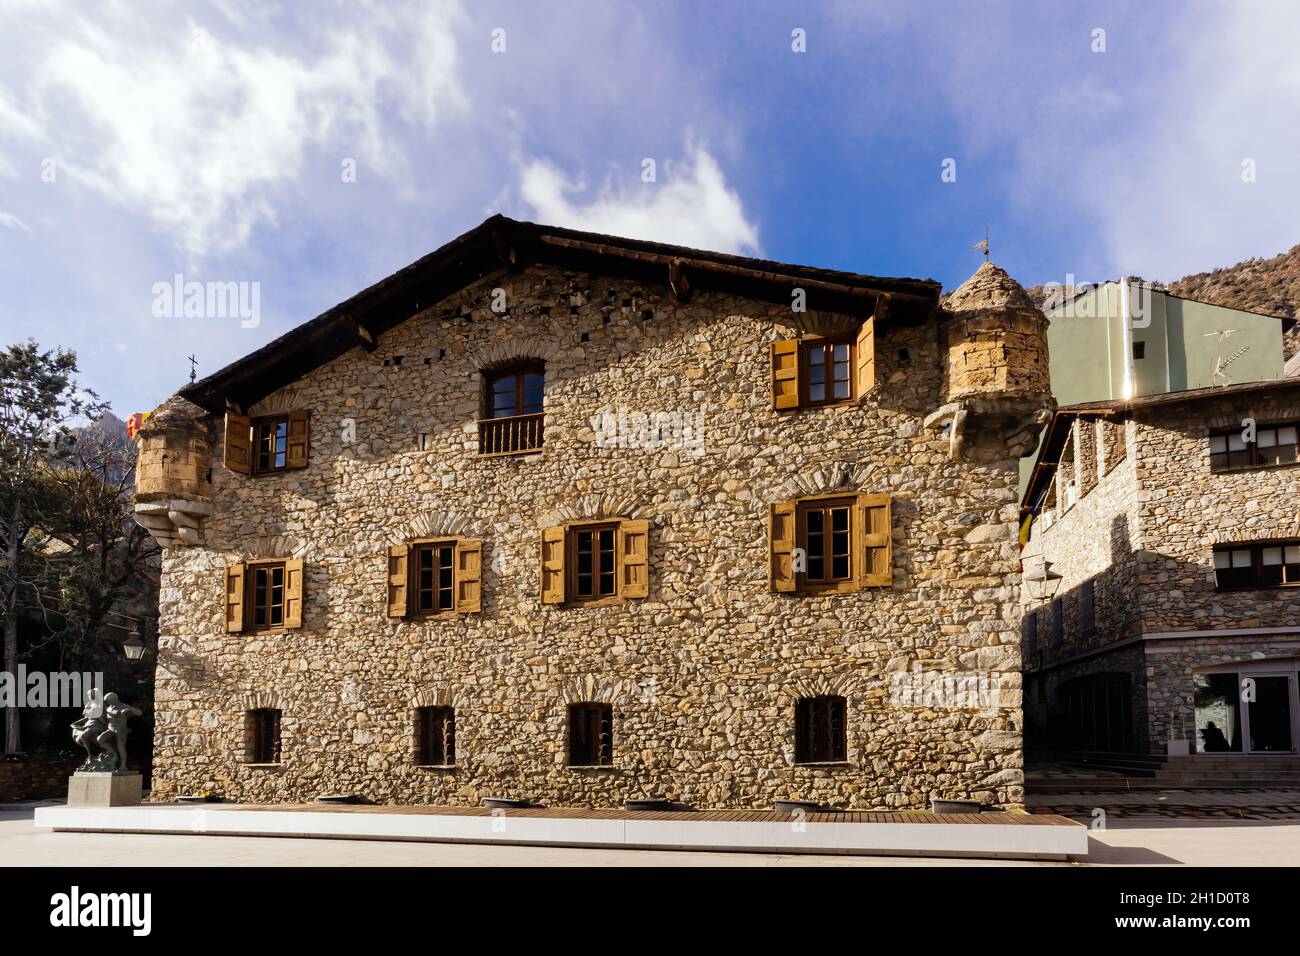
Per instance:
(557,516)
(1162,573)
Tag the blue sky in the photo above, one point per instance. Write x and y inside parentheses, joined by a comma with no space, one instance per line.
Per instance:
(139,141)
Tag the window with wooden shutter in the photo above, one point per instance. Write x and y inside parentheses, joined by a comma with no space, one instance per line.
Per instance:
(780,538)
(299,431)
(553,572)
(238,454)
(634,546)
(469,576)
(875,541)
(293,593)
(234,598)
(785,374)
(864,357)
(398,556)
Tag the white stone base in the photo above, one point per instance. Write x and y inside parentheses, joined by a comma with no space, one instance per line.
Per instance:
(990,840)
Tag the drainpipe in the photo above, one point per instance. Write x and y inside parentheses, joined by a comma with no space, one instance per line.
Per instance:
(1127,334)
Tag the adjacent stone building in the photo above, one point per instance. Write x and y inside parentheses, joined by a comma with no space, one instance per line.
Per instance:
(1163,574)
(564,517)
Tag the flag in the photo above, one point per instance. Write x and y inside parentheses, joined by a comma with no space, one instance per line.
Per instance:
(981,246)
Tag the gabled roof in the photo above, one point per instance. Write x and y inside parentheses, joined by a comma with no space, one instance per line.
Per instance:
(502,244)
(1058,429)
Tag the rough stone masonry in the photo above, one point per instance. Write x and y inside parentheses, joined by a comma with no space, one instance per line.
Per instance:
(704,672)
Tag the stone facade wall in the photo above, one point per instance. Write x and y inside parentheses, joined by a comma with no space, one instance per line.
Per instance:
(1146,534)
(1186,509)
(702,674)
(35,778)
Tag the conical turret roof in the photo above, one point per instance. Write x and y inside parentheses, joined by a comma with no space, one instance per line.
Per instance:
(989,288)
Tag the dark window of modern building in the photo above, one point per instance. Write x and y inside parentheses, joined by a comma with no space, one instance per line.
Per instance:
(1275,444)
(1029,633)
(1265,565)
(819,730)
(262,733)
(435,736)
(1087,610)
(591,735)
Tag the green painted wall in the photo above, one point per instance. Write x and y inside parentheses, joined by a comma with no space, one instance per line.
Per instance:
(1086,347)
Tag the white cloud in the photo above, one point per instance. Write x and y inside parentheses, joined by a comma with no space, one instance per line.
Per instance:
(690,204)
(203,128)
(10,221)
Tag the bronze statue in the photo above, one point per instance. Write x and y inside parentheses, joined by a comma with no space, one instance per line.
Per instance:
(102,733)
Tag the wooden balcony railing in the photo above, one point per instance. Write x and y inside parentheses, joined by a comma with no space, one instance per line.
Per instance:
(510,436)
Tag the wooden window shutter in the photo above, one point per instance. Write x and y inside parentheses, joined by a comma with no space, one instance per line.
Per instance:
(874,528)
(234,598)
(469,576)
(780,538)
(634,557)
(785,373)
(864,356)
(553,565)
(239,444)
(298,441)
(398,556)
(293,592)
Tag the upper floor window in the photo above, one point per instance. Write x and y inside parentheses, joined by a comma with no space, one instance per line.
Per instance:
(512,420)
(1268,565)
(819,730)
(813,372)
(830,543)
(264,595)
(1087,607)
(432,578)
(268,444)
(1273,445)
(829,368)
(592,561)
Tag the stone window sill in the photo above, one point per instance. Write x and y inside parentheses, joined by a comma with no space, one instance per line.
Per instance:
(263,766)
(829,764)
(436,766)
(591,766)
(1248,468)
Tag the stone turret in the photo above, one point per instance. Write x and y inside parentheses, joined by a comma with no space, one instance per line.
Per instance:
(997,383)
(173,487)
(996,339)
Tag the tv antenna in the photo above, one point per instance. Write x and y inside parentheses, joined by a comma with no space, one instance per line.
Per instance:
(1219,376)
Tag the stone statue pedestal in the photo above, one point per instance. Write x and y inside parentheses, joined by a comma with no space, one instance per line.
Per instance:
(97,789)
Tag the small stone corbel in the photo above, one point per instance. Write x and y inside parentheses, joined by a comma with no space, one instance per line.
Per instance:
(953,418)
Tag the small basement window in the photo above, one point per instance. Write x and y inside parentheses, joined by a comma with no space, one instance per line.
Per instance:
(1139,350)
(435,736)
(819,730)
(262,735)
(591,735)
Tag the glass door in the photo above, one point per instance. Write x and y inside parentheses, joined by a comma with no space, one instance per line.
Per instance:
(1271,715)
